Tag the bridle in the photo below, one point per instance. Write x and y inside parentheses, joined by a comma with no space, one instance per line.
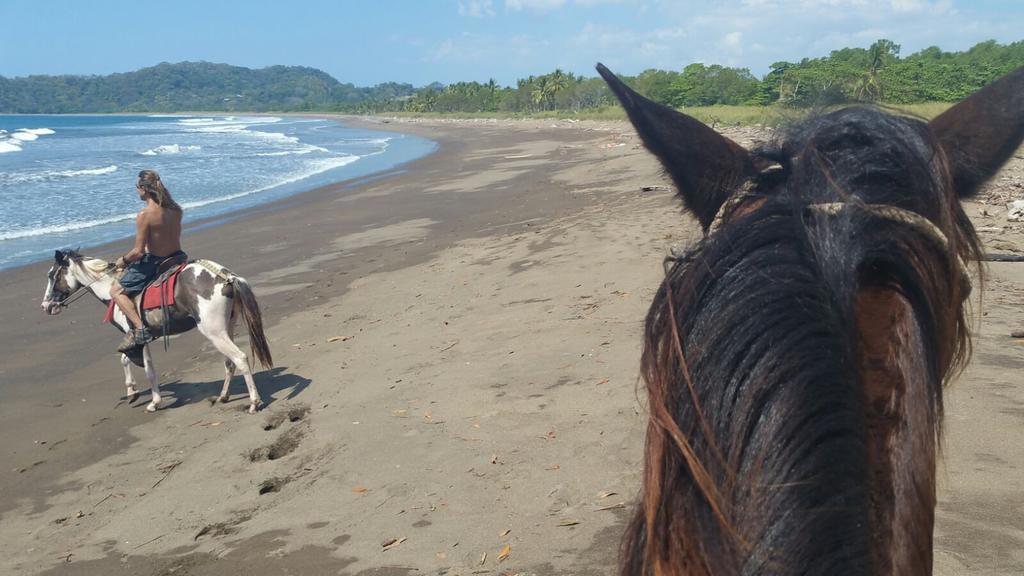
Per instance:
(77,293)
(924,226)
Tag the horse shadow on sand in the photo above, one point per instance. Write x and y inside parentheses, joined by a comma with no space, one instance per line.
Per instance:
(269,383)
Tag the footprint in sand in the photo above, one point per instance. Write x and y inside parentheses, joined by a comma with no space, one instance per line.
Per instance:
(292,414)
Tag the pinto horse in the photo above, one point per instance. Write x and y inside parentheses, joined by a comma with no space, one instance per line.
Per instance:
(795,357)
(206,296)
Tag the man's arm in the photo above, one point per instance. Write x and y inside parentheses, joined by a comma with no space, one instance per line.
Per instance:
(141,234)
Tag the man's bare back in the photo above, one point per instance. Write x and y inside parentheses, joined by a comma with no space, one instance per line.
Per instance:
(163,229)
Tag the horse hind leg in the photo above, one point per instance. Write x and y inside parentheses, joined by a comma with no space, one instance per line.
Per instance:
(154,386)
(229,366)
(219,337)
(229,373)
(131,392)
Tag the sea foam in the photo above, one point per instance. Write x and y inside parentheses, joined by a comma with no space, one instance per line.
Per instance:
(170,149)
(312,169)
(26,177)
(58,228)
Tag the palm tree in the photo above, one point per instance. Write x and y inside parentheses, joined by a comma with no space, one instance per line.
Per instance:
(539,94)
(557,82)
(869,86)
(492,89)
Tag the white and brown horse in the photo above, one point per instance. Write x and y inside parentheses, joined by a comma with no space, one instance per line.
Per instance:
(206,296)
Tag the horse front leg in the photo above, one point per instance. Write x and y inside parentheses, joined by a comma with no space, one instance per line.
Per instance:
(154,386)
(132,393)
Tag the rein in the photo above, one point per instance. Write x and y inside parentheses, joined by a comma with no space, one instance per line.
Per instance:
(78,294)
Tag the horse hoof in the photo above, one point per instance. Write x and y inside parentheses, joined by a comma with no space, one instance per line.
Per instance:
(151,407)
(224,399)
(133,397)
(253,408)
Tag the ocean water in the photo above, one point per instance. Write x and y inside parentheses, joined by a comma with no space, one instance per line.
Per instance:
(69,181)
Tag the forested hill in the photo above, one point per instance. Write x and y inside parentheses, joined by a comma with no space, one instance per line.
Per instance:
(878,73)
(190,86)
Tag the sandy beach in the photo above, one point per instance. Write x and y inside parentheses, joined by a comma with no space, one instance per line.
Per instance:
(456,392)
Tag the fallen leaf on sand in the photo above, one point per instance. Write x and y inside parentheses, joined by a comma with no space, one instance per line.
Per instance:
(483,559)
(605,381)
(391,543)
(504,552)
(553,467)
(338,338)
(360,490)
(568,522)
(604,495)
(494,459)
(505,533)
(400,413)
(612,507)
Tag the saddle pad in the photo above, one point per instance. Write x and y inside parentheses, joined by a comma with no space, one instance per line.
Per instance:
(151,296)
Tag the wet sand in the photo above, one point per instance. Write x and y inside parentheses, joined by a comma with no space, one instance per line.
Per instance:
(457,346)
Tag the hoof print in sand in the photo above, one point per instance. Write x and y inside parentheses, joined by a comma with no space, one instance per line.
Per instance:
(223,528)
(285,444)
(293,414)
(273,484)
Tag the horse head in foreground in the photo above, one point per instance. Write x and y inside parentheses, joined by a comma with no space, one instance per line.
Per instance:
(206,296)
(795,357)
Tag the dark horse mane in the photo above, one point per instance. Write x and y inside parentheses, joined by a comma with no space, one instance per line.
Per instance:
(759,445)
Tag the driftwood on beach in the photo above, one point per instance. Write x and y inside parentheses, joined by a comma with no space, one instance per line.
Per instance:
(1003,258)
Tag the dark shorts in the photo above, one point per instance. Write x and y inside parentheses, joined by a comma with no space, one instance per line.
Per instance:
(141,272)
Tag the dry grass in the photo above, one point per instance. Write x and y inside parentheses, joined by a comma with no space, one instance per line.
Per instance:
(718,116)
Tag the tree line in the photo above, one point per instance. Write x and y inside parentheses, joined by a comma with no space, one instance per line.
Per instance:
(874,74)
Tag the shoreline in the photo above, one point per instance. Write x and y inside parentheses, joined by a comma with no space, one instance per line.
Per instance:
(461,338)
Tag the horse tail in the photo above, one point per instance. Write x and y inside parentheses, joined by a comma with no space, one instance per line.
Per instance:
(246,301)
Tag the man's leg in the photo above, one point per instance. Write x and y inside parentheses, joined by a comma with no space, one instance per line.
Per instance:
(124,302)
(137,336)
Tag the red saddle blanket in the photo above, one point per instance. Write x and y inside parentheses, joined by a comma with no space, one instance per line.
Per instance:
(151,295)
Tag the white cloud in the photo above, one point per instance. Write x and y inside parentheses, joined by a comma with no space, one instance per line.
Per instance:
(732,40)
(542,6)
(485,49)
(534,5)
(443,51)
(919,6)
(476,8)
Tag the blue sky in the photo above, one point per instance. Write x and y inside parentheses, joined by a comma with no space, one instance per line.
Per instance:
(420,41)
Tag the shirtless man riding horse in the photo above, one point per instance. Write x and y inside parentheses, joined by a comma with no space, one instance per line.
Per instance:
(157,238)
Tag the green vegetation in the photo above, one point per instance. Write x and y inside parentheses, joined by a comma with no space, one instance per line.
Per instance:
(190,86)
(715,94)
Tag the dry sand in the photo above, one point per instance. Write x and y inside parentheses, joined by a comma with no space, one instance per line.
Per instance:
(457,347)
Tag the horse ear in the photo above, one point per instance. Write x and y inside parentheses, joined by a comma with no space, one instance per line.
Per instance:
(58,256)
(980,133)
(705,166)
